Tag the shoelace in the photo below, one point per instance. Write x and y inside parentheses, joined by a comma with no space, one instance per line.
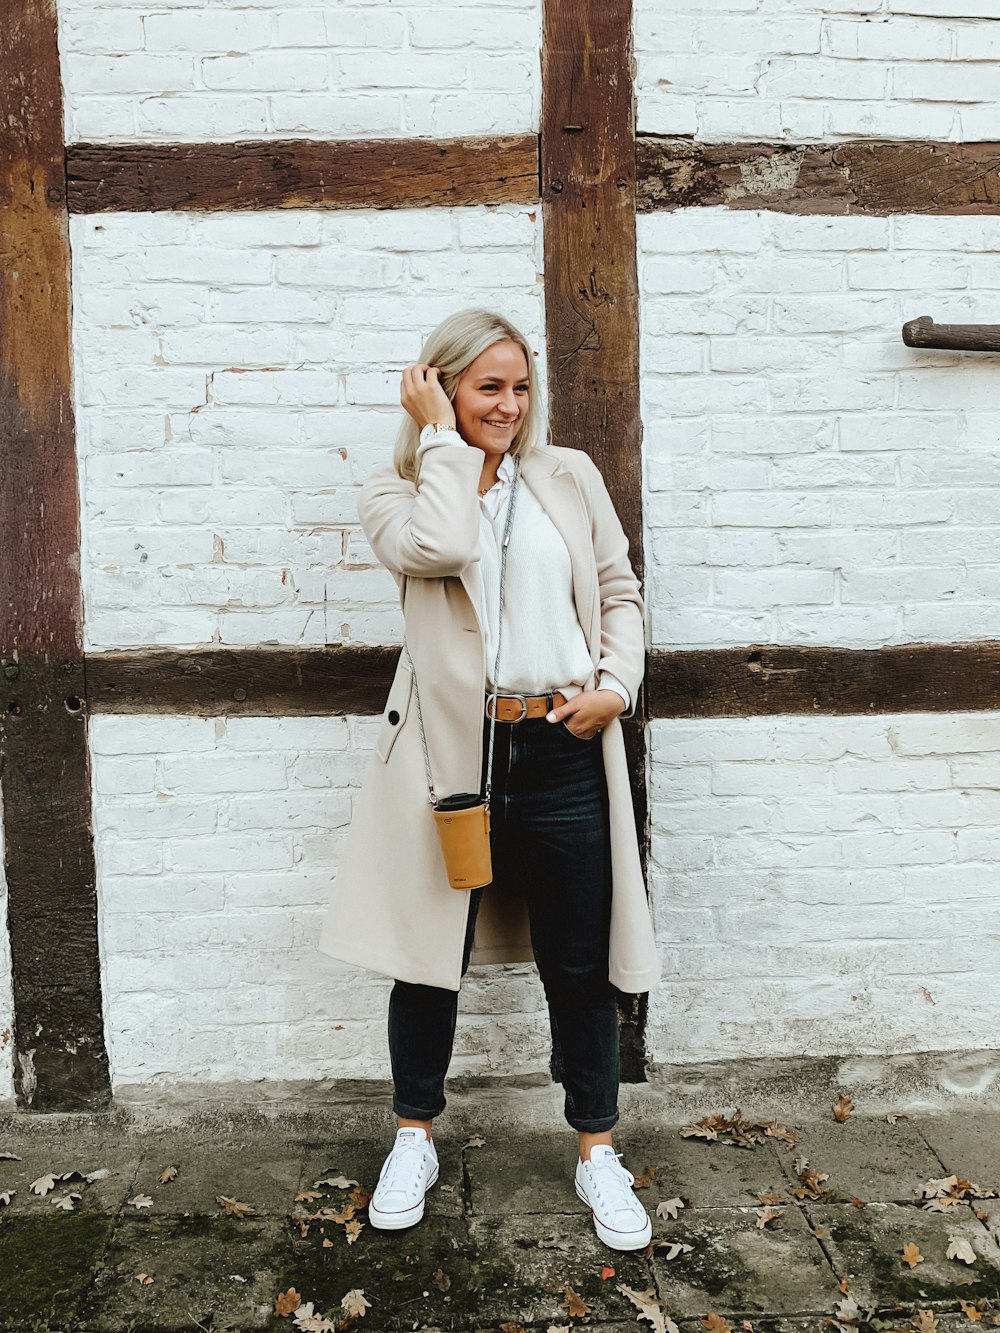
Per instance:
(614,1183)
(401,1162)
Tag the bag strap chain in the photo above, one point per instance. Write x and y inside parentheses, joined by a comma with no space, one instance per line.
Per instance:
(496,665)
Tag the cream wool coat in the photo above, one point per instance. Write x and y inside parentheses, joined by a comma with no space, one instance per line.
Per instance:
(391,908)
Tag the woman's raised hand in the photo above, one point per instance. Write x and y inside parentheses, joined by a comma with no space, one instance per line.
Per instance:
(422,396)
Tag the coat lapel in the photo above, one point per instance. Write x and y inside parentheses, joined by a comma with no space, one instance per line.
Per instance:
(556,489)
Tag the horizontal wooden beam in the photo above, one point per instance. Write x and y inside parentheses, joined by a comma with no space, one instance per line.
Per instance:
(923,332)
(715,682)
(344,173)
(876,176)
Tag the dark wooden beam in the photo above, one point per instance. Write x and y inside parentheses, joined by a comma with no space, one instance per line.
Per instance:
(756,681)
(60,1061)
(766,681)
(234,681)
(923,332)
(588,196)
(347,173)
(860,176)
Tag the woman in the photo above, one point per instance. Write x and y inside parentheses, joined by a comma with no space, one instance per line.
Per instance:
(567,882)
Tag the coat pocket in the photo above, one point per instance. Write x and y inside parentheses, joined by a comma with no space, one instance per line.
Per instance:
(396,707)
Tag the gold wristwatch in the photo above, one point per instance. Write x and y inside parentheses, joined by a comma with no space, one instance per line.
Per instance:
(437,426)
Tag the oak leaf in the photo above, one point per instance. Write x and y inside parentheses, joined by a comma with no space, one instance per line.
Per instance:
(353,1230)
(327,1243)
(9,1157)
(894,1116)
(971,1312)
(960,1249)
(441,1279)
(765,1197)
(335,1183)
(927,1321)
(477,1141)
(842,1108)
(911,1255)
(576,1307)
(715,1323)
(842,1285)
(287,1302)
(65,1203)
(308,1196)
(847,1310)
(168,1174)
(669,1208)
(43,1184)
(649,1308)
(355,1303)
(234,1208)
(858,1203)
(513,1327)
(144,1278)
(646,1178)
(768,1214)
(141,1201)
(6,1196)
(309,1322)
(558,1328)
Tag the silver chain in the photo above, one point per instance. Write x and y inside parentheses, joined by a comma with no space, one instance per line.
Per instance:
(496,665)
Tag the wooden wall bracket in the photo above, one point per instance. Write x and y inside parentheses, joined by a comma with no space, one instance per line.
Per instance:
(923,332)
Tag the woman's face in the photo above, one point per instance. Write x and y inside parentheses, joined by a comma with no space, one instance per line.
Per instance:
(492,397)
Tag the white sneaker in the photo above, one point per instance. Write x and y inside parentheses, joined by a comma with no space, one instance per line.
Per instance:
(407,1174)
(605,1187)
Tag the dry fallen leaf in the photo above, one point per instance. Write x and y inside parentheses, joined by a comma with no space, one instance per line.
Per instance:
(894,1116)
(7,1195)
(65,1203)
(287,1302)
(911,1255)
(645,1178)
(308,1196)
(441,1279)
(327,1243)
(512,1327)
(810,1182)
(844,1283)
(858,1203)
(43,1184)
(168,1174)
(309,1322)
(971,1312)
(355,1304)
(361,1198)
(234,1208)
(141,1201)
(353,1230)
(557,1328)
(334,1183)
(768,1214)
(477,1141)
(926,1321)
(669,1208)
(821,1232)
(144,1278)
(576,1307)
(960,1249)
(671,1248)
(847,1310)
(770,1198)
(606,1272)
(9,1157)
(649,1308)
(842,1108)
(715,1323)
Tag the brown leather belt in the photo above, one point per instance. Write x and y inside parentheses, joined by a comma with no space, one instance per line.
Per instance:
(517,707)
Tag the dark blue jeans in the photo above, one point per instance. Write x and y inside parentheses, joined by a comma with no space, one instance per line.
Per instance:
(549,828)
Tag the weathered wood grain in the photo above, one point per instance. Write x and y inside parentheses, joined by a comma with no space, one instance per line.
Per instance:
(860,176)
(923,332)
(60,1061)
(347,173)
(242,681)
(769,680)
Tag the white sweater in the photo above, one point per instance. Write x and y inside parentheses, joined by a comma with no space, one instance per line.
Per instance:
(543,645)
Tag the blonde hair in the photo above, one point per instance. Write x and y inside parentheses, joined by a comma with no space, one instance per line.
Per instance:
(452,346)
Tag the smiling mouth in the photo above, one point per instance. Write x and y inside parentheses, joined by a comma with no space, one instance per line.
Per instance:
(499,425)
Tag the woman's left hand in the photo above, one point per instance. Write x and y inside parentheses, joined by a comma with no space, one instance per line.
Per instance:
(590,711)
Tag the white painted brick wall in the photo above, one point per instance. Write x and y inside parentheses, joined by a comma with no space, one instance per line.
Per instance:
(195,70)
(217,840)
(781,69)
(237,378)
(6,987)
(809,478)
(825,885)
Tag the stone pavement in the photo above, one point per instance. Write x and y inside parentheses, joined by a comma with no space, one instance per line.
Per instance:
(504,1235)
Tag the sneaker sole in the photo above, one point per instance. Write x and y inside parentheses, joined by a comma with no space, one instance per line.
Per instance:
(409,1217)
(617,1240)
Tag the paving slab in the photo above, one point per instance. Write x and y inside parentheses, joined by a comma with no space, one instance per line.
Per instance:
(417,1277)
(218,1273)
(361,1160)
(738,1268)
(524,1263)
(46,1154)
(711,1175)
(867,1243)
(524,1173)
(253,1169)
(865,1157)
(967,1145)
(48,1263)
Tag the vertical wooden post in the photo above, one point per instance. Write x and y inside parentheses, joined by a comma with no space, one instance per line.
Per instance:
(588,191)
(60,1061)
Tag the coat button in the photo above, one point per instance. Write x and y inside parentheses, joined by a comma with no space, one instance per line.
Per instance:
(393,717)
